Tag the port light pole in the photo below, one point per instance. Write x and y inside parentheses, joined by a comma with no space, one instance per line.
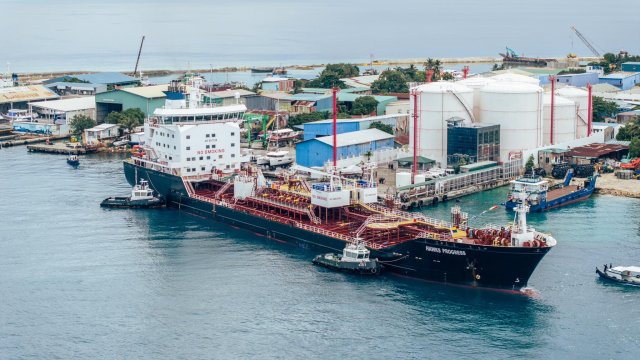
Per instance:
(414,93)
(552,78)
(589,109)
(335,127)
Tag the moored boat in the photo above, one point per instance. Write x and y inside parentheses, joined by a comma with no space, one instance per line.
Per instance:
(628,275)
(355,258)
(141,197)
(73,160)
(196,163)
(262,70)
(542,197)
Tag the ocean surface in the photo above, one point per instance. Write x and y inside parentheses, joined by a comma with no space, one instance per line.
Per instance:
(81,282)
(45,35)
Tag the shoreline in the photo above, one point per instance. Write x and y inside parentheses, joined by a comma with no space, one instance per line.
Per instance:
(39,75)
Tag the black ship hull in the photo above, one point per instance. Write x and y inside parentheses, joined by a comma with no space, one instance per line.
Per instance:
(507,268)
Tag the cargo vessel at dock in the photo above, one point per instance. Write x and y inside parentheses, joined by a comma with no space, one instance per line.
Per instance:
(192,158)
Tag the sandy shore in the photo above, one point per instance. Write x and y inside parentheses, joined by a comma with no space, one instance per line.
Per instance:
(610,184)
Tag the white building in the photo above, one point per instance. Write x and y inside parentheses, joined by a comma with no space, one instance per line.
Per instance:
(101,132)
(62,111)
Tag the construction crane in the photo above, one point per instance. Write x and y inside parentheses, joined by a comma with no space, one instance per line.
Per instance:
(138,59)
(585,41)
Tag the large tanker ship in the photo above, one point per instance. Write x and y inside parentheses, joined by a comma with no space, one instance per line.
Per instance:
(192,157)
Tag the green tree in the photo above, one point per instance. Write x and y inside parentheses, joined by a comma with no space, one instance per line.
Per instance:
(136,114)
(603,108)
(80,123)
(381,126)
(528,167)
(300,119)
(390,81)
(331,75)
(630,130)
(634,147)
(114,117)
(364,105)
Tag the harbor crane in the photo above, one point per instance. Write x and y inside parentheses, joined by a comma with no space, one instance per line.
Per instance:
(138,59)
(585,41)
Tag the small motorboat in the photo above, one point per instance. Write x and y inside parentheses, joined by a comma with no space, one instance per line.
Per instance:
(73,160)
(354,258)
(628,275)
(141,197)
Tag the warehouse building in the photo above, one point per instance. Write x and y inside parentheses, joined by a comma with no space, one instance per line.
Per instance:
(320,128)
(630,66)
(578,80)
(277,84)
(61,111)
(621,80)
(18,97)
(227,97)
(316,152)
(145,98)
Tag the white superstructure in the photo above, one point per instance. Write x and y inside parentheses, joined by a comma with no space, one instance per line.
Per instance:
(190,140)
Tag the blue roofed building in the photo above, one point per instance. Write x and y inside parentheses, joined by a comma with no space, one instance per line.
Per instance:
(578,80)
(622,80)
(320,128)
(316,152)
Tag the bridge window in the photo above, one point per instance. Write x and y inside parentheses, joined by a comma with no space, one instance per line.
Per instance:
(188,147)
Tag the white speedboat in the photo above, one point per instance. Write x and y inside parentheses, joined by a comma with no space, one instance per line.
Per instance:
(629,275)
(275,158)
(19,115)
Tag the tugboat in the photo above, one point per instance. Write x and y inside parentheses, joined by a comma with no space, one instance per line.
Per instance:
(141,197)
(541,197)
(73,160)
(628,275)
(354,258)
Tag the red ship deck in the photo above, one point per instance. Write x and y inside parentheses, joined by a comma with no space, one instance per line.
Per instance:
(378,226)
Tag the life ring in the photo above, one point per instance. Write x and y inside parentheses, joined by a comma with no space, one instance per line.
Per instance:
(374,270)
(477,276)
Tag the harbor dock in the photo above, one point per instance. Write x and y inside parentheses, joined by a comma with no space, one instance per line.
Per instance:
(609,184)
(58,148)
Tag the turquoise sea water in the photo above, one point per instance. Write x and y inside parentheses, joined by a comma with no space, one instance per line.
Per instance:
(45,35)
(78,281)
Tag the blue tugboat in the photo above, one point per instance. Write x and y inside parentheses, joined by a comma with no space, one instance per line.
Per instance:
(541,197)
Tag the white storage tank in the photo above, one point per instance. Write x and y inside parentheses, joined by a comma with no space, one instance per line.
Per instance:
(510,77)
(476,83)
(403,179)
(517,108)
(438,102)
(581,98)
(564,123)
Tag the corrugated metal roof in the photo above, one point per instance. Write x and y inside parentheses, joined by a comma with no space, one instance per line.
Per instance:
(308,97)
(596,150)
(74,85)
(619,75)
(360,81)
(229,93)
(370,118)
(346,97)
(73,104)
(102,127)
(26,93)
(149,92)
(355,137)
(110,78)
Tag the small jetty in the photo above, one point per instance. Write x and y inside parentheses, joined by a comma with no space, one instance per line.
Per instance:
(59,148)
